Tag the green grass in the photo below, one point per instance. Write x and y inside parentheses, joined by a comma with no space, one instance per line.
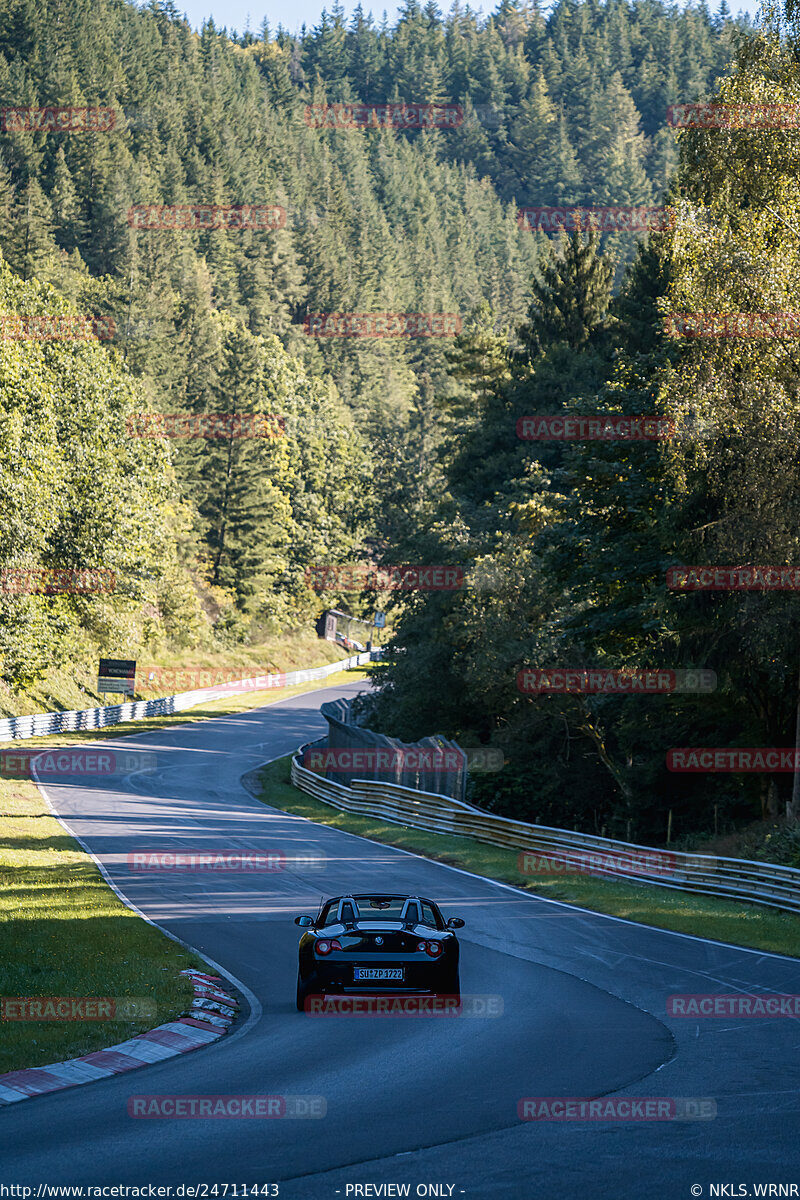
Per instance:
(748,925)
(63,932)
(224,706)
(72,686)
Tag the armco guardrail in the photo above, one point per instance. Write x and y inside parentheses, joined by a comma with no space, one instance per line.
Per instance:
(40,724)
(732,878)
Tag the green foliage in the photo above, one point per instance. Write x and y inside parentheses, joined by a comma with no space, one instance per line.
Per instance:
(412,443)
(571,300)
(77,491)
(580,536)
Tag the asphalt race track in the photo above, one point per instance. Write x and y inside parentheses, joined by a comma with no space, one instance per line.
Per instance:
(408,1100)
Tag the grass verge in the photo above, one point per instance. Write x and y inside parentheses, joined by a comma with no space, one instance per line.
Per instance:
(74,685)
(225,706)
(64,933)
(748,925)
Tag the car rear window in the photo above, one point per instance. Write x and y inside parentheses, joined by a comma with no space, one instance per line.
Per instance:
(387,911)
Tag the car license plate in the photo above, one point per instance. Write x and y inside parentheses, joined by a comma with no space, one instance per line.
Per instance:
(362,974)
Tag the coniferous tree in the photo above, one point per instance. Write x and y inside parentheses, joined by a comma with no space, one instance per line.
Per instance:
(31,247)
(571,300)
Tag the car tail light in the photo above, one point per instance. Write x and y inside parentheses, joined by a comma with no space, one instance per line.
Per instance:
(434,949)
(422,945)
(324,948)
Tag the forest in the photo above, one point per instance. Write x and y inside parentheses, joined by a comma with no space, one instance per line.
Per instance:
(405,449)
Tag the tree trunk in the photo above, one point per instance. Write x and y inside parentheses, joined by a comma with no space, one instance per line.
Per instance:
(588,728)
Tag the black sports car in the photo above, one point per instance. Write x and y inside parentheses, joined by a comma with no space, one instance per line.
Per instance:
(369,944)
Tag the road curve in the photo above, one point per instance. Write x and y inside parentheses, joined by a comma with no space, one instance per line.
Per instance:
(408,1101)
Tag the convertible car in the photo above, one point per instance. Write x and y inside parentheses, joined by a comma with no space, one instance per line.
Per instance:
(378,944)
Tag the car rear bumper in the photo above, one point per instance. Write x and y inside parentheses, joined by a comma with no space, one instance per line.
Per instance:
(417,978)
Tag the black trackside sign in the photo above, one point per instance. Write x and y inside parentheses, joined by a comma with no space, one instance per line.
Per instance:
(116,675)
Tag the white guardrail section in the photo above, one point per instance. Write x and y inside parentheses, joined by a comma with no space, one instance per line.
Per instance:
(112,714)
(580,853)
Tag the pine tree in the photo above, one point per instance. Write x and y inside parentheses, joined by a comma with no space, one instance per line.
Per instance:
(566,173)
(619,150)
(31,247)
(274,61)
(365,59)
(326,54)
(571,299)
(514,19)
(66,204)
(6,201)
(533,136)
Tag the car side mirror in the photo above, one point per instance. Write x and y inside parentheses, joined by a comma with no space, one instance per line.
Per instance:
(455,923)
(306,922)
